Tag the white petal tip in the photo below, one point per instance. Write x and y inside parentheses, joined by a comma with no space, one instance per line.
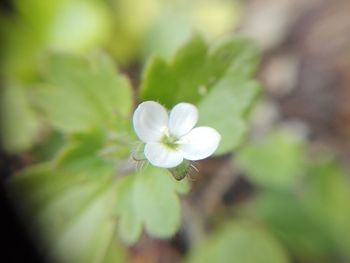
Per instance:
(200,143)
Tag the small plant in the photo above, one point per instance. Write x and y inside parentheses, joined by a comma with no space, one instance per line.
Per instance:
(90,187)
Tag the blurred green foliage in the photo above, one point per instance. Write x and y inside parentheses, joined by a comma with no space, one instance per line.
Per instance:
(74,213)
(309,215)
(64,25)
(239,242)
(66,105)
(145,27)
(276,161)
(18,120)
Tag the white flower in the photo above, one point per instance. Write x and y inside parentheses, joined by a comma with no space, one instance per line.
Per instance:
(170,139)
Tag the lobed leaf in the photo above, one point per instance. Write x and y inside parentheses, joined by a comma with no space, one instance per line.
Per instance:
(216,79)
(79,94)
(195,68)
(148,198)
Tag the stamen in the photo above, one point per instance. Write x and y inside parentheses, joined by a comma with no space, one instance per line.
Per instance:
(170,142)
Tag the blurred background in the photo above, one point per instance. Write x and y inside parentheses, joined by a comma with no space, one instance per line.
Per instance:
(290,180)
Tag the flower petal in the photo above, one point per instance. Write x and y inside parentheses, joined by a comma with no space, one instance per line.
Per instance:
(199,143)
(183,117)
(150,119)
(161,156)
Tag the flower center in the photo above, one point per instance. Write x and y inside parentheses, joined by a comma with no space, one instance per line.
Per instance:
(170,142)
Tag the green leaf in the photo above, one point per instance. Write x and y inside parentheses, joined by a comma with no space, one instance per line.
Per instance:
(158,208)
(79,94)
(178,80)
(72,213)
(81,153)
(115,254)
(305,236)
(327,199)
(46,149)
(18,121)
(225,108)
(313,222)
(38,184)
(195,69)
(90,224)
(129,225)
(239,242)
(216,79)
(148,198)
(276,161)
